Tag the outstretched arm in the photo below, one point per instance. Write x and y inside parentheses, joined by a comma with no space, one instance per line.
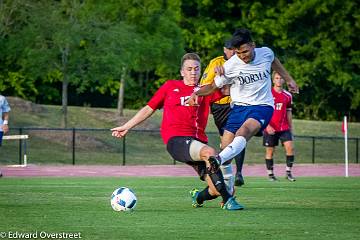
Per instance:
(206,90)
(203,91)
(139,117)
(278,67)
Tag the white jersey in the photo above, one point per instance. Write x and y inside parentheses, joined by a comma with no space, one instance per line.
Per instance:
(4,107)
(250,83)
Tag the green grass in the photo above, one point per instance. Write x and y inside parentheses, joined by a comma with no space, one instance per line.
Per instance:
(311,208)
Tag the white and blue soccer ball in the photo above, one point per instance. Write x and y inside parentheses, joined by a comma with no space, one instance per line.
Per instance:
(123,199)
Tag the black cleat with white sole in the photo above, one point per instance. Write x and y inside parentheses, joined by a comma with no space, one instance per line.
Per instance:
(214,164)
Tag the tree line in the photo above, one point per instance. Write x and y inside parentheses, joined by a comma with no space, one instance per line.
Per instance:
(116,53)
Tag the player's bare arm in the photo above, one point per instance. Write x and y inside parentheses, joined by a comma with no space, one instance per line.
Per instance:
(289,117)
(278,67)
(5,125)
(203,91)
(139,117)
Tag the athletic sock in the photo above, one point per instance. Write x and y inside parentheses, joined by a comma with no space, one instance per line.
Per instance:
(239,160)
(233,149)
(289,162)
(229,179)
(270,166)
(204,195)
(218,181)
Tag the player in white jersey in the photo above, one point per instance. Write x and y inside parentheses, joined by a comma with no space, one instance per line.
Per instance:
(248,73)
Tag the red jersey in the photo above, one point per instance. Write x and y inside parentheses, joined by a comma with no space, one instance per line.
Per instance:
(180,119)
(282,103)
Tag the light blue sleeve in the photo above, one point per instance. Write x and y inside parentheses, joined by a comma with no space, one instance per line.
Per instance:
(5,107)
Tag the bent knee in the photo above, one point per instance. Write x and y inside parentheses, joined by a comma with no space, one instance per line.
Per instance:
(206,152)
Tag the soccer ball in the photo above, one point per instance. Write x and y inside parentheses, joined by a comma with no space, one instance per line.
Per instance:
(123,199)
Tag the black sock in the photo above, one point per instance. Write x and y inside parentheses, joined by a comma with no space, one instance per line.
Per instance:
(218,181)
(290,161)
(239,160)
(269,164)
(204,195)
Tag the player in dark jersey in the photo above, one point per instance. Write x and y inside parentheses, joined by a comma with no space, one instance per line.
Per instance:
(279,128)
(183,130)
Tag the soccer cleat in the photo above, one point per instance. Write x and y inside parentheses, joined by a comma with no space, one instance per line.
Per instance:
(194,193)
(290,177)
(214,164)
(232,205)
(272,178)
(1,174)
(239,180)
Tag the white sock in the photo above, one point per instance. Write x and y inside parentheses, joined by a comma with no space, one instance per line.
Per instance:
(229,178)
(233,149)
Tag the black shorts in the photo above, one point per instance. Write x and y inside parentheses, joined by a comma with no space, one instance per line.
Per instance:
(220,114)
(1,137)
(179,149)
(273,140)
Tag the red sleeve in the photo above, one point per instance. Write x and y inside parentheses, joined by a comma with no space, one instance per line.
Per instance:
(157,101)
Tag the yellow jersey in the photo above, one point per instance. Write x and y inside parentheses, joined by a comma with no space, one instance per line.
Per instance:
(209,75)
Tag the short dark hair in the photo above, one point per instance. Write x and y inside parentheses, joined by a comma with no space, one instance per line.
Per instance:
(241,36)
(228,44)
(190,56)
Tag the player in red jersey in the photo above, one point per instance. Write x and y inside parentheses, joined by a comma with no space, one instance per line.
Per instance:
(183,130)
(279,128)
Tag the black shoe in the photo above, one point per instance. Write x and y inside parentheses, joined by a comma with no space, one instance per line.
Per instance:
(290,177)
(0,174)
(239,180)
(214,164)
(272,178)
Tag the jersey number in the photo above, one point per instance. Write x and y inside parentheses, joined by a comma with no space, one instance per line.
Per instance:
(278,106)
(183,100)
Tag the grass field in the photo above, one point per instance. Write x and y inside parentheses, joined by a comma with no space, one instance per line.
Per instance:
(311,208)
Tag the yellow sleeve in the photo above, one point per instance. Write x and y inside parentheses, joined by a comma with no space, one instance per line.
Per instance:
(209,73)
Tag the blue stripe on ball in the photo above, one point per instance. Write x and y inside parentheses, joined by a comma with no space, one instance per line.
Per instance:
(120,190)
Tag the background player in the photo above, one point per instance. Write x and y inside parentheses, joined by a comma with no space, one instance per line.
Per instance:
(4,118)
(279,128)
(183,130)
(220,111)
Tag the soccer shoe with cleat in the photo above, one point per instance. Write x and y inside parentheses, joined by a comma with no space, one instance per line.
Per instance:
(214,164)
(290,177)
(239,180)
(232,205)
(194,193)
(232,194)
(272,178)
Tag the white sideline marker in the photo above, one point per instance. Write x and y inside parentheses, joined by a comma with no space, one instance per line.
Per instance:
(18,137)
(346,147)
